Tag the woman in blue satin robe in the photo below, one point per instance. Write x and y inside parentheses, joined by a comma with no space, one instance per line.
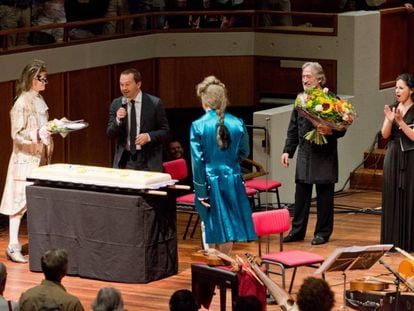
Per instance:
(218,142)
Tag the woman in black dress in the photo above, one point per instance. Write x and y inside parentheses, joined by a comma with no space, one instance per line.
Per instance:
(397,226)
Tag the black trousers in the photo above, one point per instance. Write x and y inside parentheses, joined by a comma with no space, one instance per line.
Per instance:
(325,214)
(133,162)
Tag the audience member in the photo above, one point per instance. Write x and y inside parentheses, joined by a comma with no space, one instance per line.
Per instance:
(79,10)
(278,5)
(5,304)
(248,303)
(227,21)
(408,4)
(46,12)
(176,21)
(144,6)
(115,8)
(138,122)
(175,150)
(108,299)
(14,14)
(51,291)
(183,300)
(315,294)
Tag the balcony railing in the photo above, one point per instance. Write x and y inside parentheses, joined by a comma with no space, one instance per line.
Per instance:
(123,26)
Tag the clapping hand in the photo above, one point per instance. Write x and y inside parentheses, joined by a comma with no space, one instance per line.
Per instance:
(398,116)
(389,113)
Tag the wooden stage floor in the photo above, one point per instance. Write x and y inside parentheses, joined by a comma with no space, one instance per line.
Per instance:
(352,227)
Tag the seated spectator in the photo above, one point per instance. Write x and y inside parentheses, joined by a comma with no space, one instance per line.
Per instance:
(183,21)
(116,8)
(49,12)
(108,299)
(408,5)
(227,21)
(315,294)
(183,300)
(51,291)
(14,14)
(5,304)
(175,150)
(277,5)
(143,6)
(79,10)
(176,21)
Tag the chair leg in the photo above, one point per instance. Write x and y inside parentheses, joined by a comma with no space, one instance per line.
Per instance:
(278,198)
(195,226)
(188,226)
(293,279)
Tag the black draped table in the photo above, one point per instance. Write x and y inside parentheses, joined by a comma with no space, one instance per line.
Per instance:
(109,236)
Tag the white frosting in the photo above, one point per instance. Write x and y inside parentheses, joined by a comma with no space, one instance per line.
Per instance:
(101,176)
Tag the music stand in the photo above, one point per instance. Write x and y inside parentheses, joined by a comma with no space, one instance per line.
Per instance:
(353,258)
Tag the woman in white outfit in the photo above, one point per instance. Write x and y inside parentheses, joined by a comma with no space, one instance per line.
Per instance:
(32,147)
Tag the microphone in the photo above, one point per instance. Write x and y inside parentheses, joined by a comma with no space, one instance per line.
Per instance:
(124,103)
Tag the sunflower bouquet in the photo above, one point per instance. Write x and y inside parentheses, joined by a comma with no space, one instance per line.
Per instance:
(319,106)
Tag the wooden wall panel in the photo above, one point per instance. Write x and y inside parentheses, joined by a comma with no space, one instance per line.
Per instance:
(394,37)
(410,44)
(88,97)
(54,96)
(278,79)
(178,77)
(7,94)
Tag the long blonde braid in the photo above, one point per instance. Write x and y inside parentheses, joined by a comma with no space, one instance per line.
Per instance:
(213,94)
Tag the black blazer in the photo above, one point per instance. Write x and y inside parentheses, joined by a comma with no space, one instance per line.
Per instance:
(153,121)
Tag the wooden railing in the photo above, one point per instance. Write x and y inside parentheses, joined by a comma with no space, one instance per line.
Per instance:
(303,23)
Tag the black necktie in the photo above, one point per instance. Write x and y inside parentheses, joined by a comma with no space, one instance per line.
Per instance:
(133,129)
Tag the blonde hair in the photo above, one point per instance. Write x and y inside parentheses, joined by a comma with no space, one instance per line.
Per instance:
(213,94)
(29,72)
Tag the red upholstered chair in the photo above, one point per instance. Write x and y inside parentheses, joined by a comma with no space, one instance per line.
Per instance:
(265,185)
(278,222)
(185,203)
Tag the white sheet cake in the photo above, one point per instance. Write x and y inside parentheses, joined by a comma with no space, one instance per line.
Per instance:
(100,176)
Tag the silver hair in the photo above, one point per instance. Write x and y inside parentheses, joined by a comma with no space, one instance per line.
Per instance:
(317,70)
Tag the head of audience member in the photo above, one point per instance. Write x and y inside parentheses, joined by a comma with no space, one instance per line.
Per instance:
(213,95)
(55,264)
(315,294)
(130,83)
(3,277)
(183,300)
(313,76)
(175,150)
(108,299)
(33,76)
(248,303)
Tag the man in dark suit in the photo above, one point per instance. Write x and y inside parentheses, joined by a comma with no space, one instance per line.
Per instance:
(138,122)
(315,164)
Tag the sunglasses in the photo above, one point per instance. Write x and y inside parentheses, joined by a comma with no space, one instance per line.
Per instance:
(43,80)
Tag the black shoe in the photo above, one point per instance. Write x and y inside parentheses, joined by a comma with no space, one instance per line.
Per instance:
(317,240)
(291,238)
